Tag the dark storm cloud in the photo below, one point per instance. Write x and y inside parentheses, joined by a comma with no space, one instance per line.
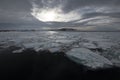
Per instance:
(102,14)
(94,14)
(47,3)
(15,5)
(73,4)
(16,11)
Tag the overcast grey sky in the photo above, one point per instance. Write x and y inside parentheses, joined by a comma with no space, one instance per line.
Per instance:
(83,14)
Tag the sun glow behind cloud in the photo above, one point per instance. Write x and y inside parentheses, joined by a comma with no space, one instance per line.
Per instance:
(55,14)
(45,15)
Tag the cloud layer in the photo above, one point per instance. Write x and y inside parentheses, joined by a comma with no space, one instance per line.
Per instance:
(84,14)
(52,11)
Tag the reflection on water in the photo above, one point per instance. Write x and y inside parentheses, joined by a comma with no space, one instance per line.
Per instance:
(51,32)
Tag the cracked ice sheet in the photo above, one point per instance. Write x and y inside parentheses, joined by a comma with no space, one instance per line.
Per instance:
(88,58)
(45,38)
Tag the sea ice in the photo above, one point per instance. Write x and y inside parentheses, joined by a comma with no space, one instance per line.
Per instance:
(88,58)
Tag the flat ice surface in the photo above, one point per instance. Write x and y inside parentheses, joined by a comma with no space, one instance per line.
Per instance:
(103,45)
(88,58)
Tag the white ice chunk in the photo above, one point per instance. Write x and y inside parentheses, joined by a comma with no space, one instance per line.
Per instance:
(64,41)
(90,46)
(51,45)
(105,45)
(38,49)
(116,62)
(18,51)
(88,58)
(54,50)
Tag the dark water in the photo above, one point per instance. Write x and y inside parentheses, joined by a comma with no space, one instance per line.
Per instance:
(44,65)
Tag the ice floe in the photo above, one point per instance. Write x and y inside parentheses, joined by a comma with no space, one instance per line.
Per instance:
(88,58)
(90,46)
(96,49)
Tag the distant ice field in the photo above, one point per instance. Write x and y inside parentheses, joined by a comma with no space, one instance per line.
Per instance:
(105,46)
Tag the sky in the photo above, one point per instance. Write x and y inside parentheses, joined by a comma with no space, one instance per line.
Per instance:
(81,14)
